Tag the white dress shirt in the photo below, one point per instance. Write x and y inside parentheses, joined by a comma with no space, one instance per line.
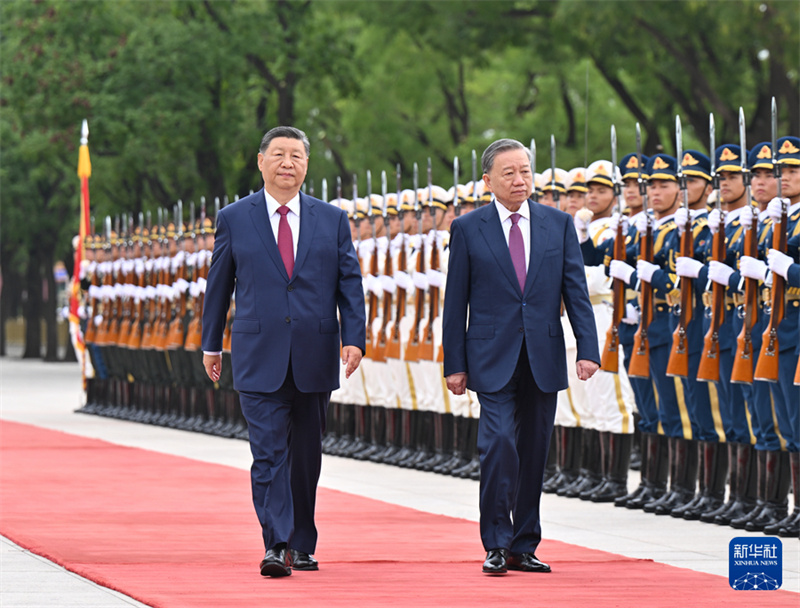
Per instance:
(524,224)
(293,217)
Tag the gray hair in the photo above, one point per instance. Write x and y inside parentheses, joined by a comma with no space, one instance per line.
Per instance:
(289,132)
(496,147)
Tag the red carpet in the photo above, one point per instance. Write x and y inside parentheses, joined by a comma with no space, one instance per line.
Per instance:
(173,532)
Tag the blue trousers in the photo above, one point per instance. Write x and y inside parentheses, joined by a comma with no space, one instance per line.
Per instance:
(286,442)
(514,431)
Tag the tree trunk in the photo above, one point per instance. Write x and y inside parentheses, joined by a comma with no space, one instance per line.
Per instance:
(33,306)
(50,309)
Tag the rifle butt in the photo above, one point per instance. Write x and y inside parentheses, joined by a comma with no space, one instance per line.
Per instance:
(767,366)
(639,366)
(609,358)
(742,372)
(708,371)
(678,362)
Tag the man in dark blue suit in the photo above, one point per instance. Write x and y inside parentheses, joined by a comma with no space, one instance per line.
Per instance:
(291,261)
(512,264)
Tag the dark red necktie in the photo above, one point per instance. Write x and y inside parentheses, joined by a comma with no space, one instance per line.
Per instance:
(285,242)
(516,247)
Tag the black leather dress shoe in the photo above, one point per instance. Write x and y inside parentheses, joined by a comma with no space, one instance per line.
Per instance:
(526,562)
(276,562)
(303,561)
(496,561)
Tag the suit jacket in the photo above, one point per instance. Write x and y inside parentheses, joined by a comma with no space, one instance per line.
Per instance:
(279,319)
(486,315)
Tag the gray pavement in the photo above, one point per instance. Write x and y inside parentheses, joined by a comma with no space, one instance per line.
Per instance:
(46,395)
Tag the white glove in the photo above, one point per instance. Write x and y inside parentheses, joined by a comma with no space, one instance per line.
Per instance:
(631,315)
(582,228)
(746,216)
(779,263)
(714,220)
(752,268)
(646,270)
(681,217)
(775,208)
(688,267)
(641,223)
(614,223)
(719,272)
(621,270)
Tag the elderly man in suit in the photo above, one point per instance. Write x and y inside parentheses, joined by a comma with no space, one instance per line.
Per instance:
(512,265)
(291,261)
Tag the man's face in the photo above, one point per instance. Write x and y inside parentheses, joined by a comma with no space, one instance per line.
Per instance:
(466,208)
(731,186)
(763,185)
(630,191)
(599,199)
(283,166)
(447,218)
(510,178)
(394,226)
(698,190)
(427,219)
(546,199)
(663,196)
(790,182)
(353,230)
(575,200)
(410,222)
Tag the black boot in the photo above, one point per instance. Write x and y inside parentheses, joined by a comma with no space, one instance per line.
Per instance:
(442,438)
(457,457)
(405,440)
(551,467)
(330,427)
(714,475)
(616,485)
(391,436)
(678,512)
(740,523)
(569,453)
(347,429)
(789,526)
(684,478)
(604,440)
(591,465)
(473,466)
(746,485)
(776,489)
(733,478)
(656,474)
(644,440)
(377,433)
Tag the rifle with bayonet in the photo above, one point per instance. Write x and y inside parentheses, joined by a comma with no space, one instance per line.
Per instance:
(609,361)
(393,348)
(742,371)
(639,366)
(767,367)
(426,346)
(556,193)
(412,348)
(175,336)
(379,348)
(709,360)
(374,303)
(678,364)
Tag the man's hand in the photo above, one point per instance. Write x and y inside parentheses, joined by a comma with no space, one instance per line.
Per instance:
(213,365)
(586,369)
(351,357)
(457,383)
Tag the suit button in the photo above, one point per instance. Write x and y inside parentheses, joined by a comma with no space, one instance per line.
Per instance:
(288,319)
(524,303)
(290,288)
(521,330)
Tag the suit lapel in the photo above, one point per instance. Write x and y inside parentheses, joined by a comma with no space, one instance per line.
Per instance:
(308,225)
(260,218)
(493,233)
(539,236)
